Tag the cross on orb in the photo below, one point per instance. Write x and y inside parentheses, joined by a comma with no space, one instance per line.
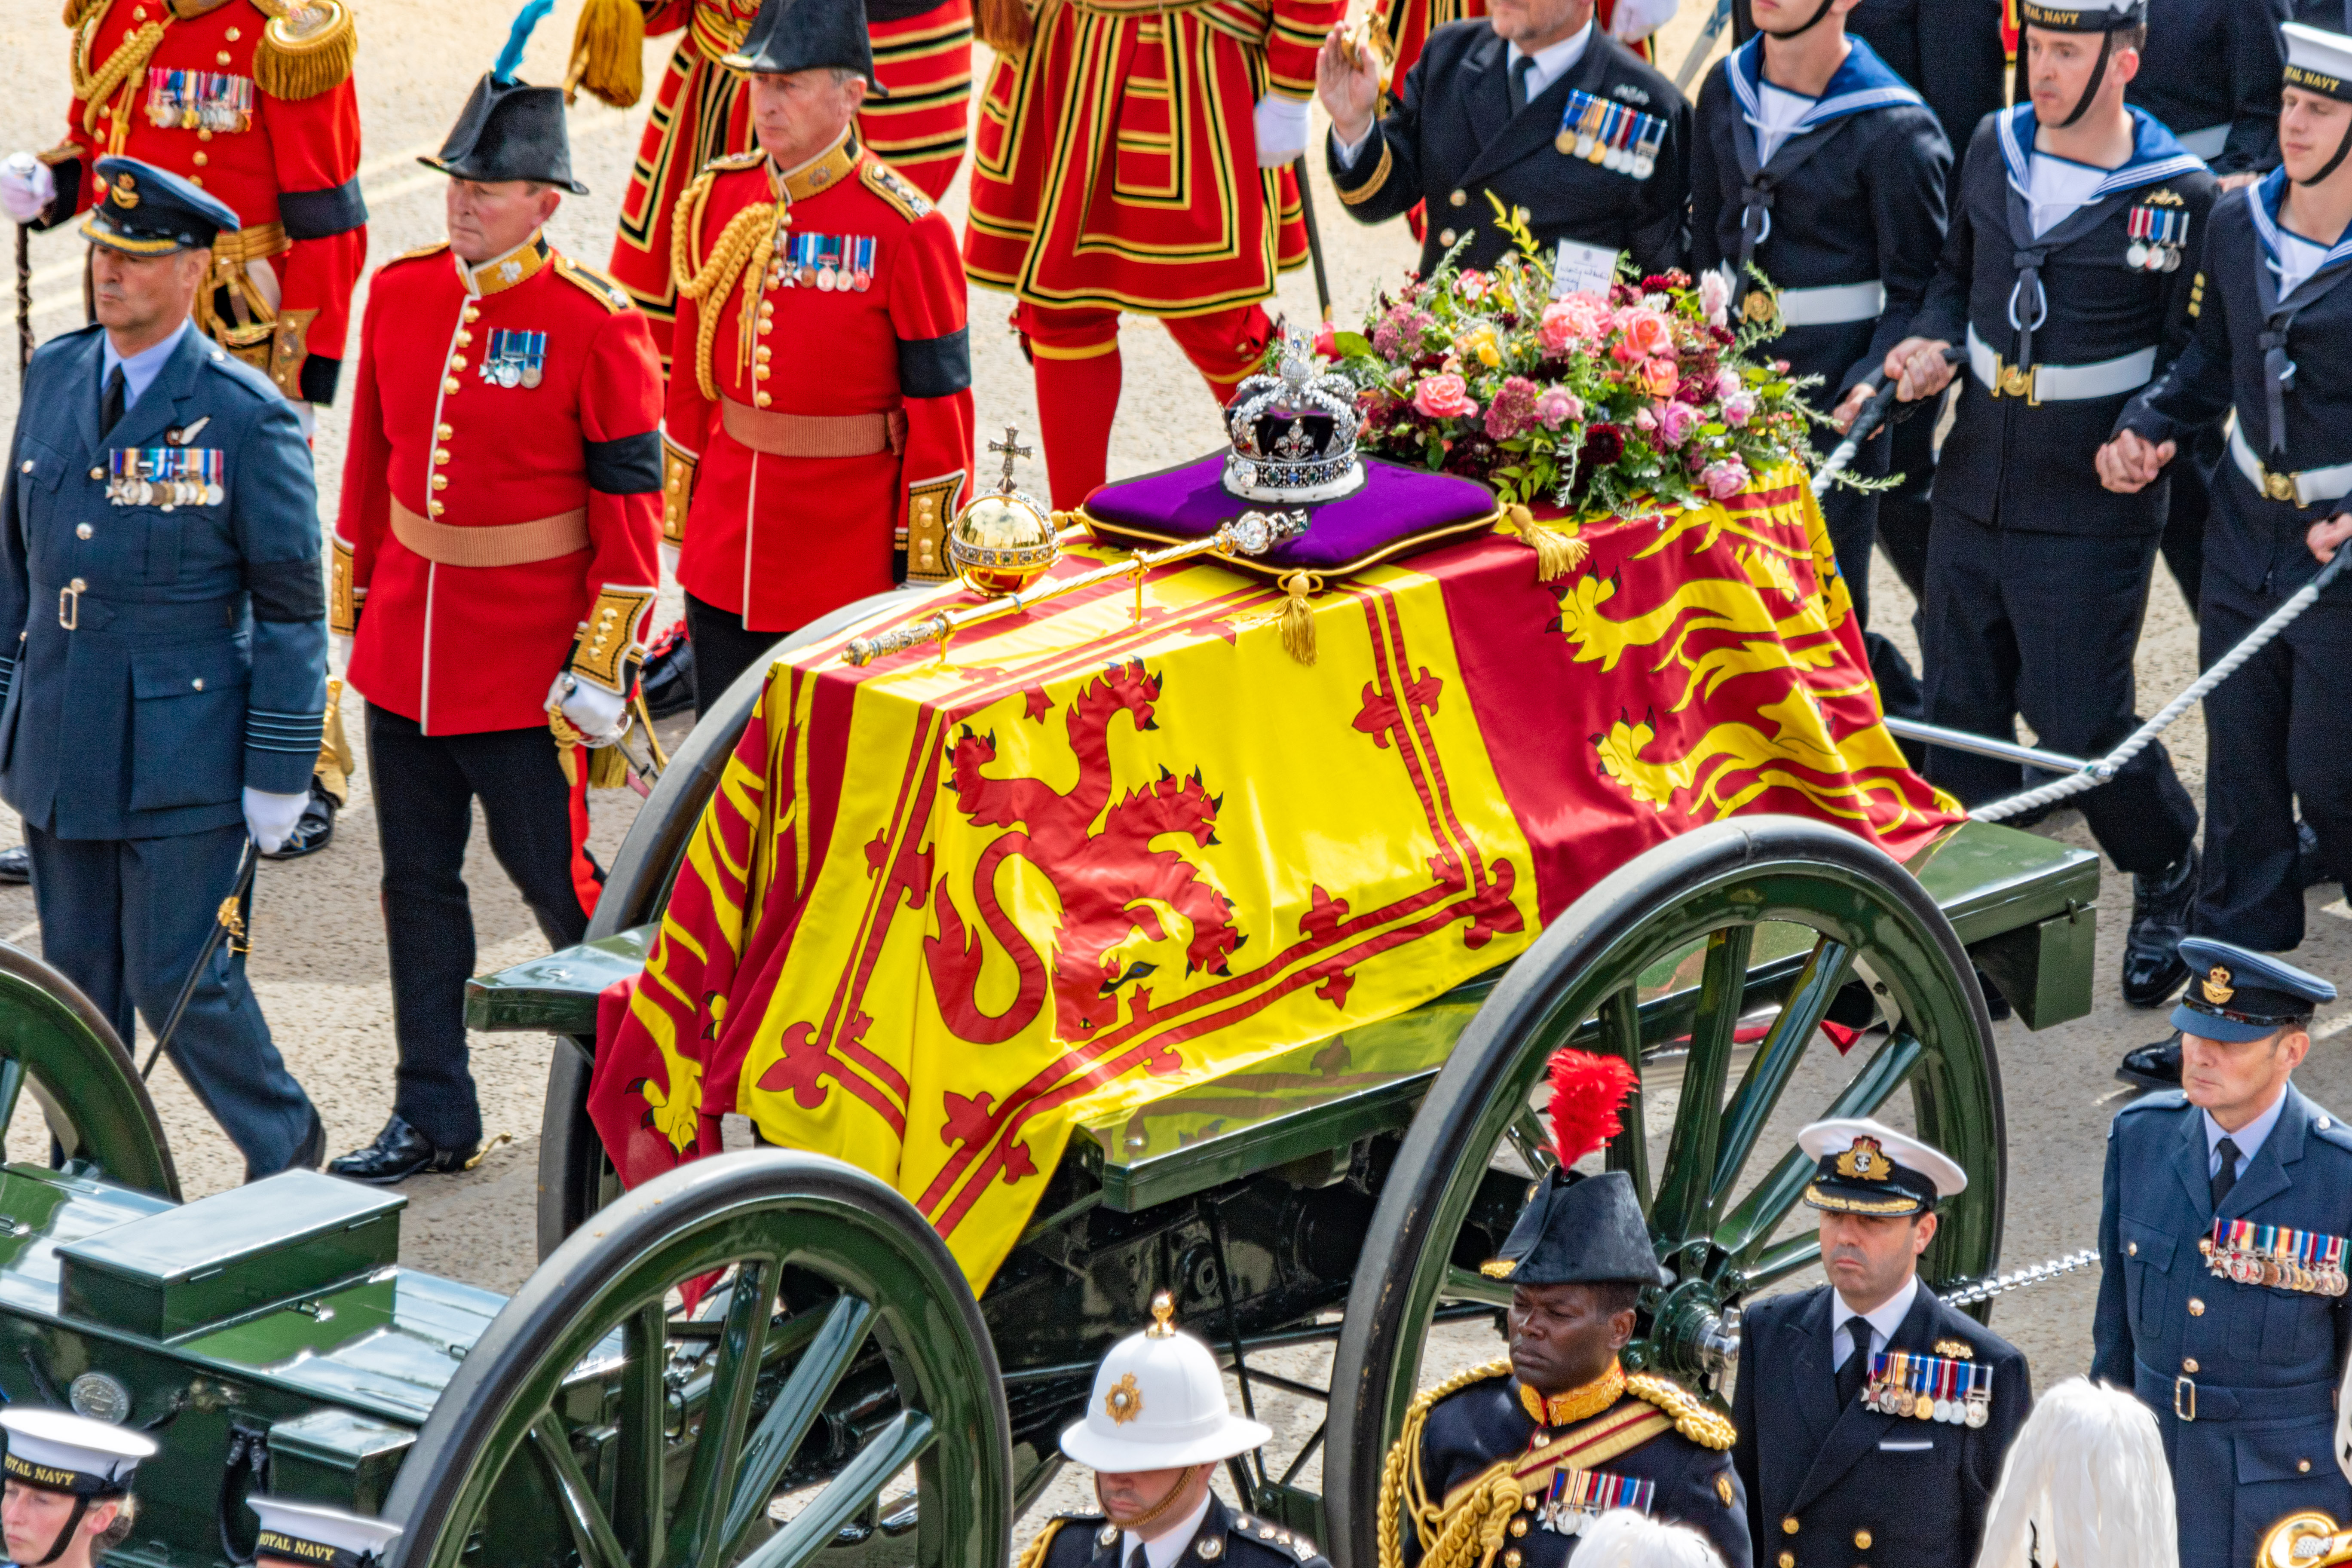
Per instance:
(1010,446)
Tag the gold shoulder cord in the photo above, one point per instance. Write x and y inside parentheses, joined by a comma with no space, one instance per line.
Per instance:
(1035,1556)
(1693,1418)
(1473,1532)
(746,245)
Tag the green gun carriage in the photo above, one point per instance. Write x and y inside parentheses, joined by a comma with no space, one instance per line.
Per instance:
(837,1396)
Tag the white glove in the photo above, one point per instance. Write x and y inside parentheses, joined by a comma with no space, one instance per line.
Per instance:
(1637,19)
(669,559)
(1281,124)
(27,187)
(599,715)
(270,817)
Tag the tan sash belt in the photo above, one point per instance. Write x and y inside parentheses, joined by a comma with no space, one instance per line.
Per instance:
(259,243)
(498,545)
(814,435)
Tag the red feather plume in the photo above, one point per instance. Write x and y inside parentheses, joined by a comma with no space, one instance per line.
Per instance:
(1586,1091)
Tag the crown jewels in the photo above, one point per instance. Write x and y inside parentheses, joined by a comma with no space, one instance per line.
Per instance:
(1294,433)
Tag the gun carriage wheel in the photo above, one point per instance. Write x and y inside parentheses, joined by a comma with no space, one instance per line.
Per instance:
(1676,946)
(594,1410)
(55,1044)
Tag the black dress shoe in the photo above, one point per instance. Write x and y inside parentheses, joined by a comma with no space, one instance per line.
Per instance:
(2153,967)
(398,1153)
(2153,1067)
(667,677)
(15,866)
(313,832)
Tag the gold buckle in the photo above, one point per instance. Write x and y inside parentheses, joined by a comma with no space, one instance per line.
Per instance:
(2277,486)
(2189,1413)
(2015,381)
(70,604)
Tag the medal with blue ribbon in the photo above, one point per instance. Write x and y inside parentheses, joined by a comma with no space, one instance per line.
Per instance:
(166,477)
(2158,237)
(1613,135)
(1580,1497)
(515,358)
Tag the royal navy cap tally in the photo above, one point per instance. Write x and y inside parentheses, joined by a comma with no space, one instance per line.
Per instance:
(148,211)
(509,130)
(1866,1167)
(2082,16)
(2318,60)
(58,1451)
(2234,994)
(790,36)
(308,1532)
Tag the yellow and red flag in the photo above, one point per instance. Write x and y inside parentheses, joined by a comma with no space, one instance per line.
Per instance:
(942,909)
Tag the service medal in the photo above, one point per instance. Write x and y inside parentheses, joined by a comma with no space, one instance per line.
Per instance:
(188,119)
(1923,1408)
(2136,255)
(862,279)
(214,495)
(533,372)
(1979,1410)
(805,276)
(509,374)
(1643,167)
(2171,258)
(1564,142)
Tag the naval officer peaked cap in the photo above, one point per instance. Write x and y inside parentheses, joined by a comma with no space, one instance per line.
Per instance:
(2235,995)
(142,210)
(1864,1166)
(61,1452)
(308,1532)
(2318,60)
(1158,1404)
(808,35)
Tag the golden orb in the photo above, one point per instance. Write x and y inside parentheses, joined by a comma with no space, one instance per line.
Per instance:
(1002,543)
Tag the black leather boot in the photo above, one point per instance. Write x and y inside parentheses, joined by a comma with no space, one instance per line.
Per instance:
(2153,967)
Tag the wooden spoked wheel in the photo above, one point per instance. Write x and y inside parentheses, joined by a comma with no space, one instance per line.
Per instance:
(56,1046)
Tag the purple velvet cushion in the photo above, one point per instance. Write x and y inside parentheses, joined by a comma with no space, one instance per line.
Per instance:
(1395,514)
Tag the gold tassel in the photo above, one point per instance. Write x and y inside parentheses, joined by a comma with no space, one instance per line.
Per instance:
(1558,550)
(1298,615)
(296,65)
(608,51)
(77,11)
(608,767)
(336,764)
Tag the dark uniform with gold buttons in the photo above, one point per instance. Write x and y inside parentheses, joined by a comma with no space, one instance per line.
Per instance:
(2228,1318)
(1226,1536)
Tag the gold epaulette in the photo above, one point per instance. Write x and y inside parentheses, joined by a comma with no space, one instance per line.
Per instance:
(733,161)
(1035,1556)
(606,290)
(1693,1418)
(1403,1494)
(894,187)
(304,50)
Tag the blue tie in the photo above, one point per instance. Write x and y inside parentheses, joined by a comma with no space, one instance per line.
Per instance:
(1525,66)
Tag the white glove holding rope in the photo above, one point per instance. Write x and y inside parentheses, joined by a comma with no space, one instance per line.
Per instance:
(27,187)
(270,817)
(599,715)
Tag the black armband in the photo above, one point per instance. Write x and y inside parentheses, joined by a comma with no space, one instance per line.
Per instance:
(315,215)
(286,590)
(631,466)
(935,367)
(319,374)
(69,174)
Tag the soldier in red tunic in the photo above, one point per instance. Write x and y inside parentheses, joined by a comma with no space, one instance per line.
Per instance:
(253,103)
(799,483)
(1135,155)
(498,530)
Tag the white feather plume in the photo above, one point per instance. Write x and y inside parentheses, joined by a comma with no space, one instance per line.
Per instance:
(2084,1486)
(1625,1538)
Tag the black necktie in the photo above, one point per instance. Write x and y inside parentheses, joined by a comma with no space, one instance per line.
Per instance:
(1854,1371)
(111,403)
(1138,1558)
(1521,68)
(2225,1175)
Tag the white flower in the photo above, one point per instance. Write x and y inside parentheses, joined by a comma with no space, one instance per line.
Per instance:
(1713,296)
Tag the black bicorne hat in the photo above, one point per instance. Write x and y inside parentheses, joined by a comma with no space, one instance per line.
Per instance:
(1579,1230)
(508,131)
(808,35)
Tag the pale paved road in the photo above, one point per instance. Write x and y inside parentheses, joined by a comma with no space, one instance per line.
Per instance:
(319,959)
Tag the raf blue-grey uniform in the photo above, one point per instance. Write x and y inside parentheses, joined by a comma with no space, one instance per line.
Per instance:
(2241,1377)
(165,659)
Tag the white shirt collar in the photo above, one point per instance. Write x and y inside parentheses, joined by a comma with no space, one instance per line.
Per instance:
(2249,1138)
(140,371)
(1164,1552)
(1883,1319)
(1551,63)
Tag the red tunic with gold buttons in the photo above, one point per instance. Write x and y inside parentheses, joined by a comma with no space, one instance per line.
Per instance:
(820,398)
(259,109)
(502,489)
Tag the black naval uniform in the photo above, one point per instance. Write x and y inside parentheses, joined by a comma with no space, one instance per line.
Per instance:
(1949,50)
(2241,1376)
(2037,577)
(2280,726)
(1846,289)
(1226,1539)
(1826,1483)
(2211,73)
(1479,1427)
(1452,137)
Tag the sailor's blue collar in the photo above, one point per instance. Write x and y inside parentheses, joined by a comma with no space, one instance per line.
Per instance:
(1861,81)
(2262,198)
(2156,154)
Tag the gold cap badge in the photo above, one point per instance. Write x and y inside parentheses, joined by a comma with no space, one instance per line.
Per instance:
(2216,985)
(1865,1161)
(1499,1267)
(125,194)
(1124,1403)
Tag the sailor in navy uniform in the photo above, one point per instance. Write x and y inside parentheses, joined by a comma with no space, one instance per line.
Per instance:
(66,1502)
(1577,130)
(2221,1291)
(2063,278)
(1837,1454)
(309,1535)
(1156,1425)
(1815,163)
(2274,322)
(162,650)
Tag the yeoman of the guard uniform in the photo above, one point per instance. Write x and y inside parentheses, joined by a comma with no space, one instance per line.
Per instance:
(1534,107)
(1539,1445)
(165,667)
(1156,1426)
(67,1500)
(2221,1249)
(1872,1417)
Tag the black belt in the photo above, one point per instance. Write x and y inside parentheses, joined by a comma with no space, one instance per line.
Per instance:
(80,609)
(2195,1401)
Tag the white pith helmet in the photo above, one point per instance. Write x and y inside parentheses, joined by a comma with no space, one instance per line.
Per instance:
(1158,1404)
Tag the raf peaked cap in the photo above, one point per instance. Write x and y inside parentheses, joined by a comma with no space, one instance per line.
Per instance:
(144,211)
(2234,994)
(808,35)
(1579,1230)
(1864,1166)
(509,131)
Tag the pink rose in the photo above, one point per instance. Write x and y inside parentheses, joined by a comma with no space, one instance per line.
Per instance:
(1641,333)
(1445,397)
(1573,318)
(1676,421)
(1724,479)
(1739,407)
(1646,420)
(1713,296)
(1558,408)
(1727,382)
(1658,377)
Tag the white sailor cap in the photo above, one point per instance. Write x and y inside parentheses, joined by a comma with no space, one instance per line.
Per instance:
(308,1533)
(1867,1167)
(58,1451)
(2082,16)
(2318,60)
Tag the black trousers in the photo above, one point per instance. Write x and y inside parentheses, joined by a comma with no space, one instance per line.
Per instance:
(723,649)
(2278,731)
(1852,519)
(425,786)
(2195,473)
(2044,626)
(1904,512)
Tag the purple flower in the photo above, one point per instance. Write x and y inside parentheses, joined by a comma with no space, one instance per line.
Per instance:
(1513,410)
(1676,421)
(1558,408)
